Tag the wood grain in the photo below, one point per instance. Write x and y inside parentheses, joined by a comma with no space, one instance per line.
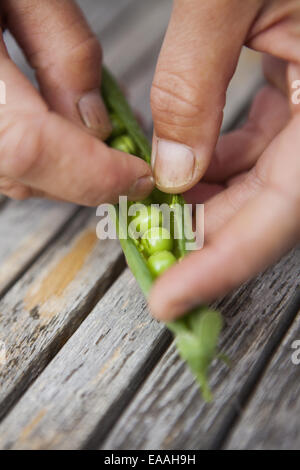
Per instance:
(271,419)
(87,384)
(87,373)
(48,303)
(25,229)
(168,412)
(108,357)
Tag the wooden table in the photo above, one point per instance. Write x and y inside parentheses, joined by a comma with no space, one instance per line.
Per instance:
(86,365)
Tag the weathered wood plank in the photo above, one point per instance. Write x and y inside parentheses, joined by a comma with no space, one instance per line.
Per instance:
(271,419)
(87,383)
(138,32)
(25,228)
(49,302)
(168,412)
(83,390)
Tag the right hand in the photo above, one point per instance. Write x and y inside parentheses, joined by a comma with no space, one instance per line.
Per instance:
(251,177)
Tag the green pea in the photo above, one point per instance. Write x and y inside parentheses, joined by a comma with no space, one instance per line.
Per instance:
(156,239)
(117,126)
(124,143)
(160,262)
(148,217)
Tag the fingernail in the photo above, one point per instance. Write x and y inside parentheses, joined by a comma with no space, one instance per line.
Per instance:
(94,114)
(141,188)
(173,164)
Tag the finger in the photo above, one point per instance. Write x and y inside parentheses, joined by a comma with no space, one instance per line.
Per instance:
(224,205)
(239,150)
(286,77)
(196,63)
(20,192)
(67,163)
(251,241)
(48,153)
(66,56)
(277,34)
(202,192)
(265,228)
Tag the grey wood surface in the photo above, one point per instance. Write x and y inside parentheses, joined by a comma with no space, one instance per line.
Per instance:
(271,419)
(107,376)
(168,412)
(87,384)
(48,303)
(105,361)
(25,229)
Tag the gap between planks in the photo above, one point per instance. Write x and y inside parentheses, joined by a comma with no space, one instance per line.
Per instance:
(112,341)
(104,367)
(168,413)
(271,418)
(254,380)
(26,264)
(46,306)
(25,232)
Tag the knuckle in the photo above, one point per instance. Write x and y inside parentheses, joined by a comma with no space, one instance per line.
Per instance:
(81,61)
(87,50)
(175,98)
(14,190)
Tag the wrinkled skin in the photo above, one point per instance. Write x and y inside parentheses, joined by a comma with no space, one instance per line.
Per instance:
(46,147)
(251,176)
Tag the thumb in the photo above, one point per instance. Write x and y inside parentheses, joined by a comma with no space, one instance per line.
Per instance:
(197,60)
(66,56)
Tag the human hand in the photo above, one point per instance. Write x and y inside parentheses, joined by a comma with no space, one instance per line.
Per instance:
(250,176)
(45,149)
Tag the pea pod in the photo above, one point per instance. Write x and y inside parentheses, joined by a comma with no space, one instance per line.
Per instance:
(197,333)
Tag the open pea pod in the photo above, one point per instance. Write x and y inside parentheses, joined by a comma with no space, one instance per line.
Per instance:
(196,333)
